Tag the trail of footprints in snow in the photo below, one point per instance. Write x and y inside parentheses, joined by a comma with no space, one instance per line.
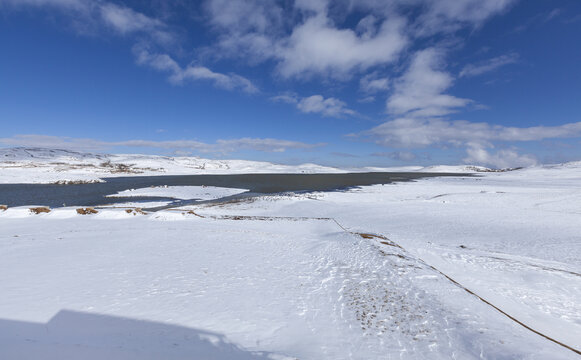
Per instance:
(380,297)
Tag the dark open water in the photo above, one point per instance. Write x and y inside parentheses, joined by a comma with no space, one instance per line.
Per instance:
(94,194)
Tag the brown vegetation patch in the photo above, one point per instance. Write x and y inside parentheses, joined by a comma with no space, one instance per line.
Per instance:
(86,211)
(384,240)
(192,212)
(3,207)
(367,236)
(136,211)
(116,168)
(41,209)
(75,182)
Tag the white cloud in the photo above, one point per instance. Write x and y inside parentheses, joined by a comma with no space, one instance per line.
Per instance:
(302,38)
(47,141)
(316,104)
(308,37)
(413,133)
(126,21)
(504,158)
(489,65)
(288,98)
(553,14)
(419,92)
(366,99)
(121,19)
(266,145)
(220,146)
(371,83)
(451,15)
(418,133)
(178,75)
(62,3)
(228,82)
(317,47)
(327,107)
(397,155)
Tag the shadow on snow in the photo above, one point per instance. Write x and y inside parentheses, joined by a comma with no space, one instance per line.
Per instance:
(77,335)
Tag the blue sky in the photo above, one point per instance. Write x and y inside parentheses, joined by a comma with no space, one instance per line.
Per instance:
(347,83)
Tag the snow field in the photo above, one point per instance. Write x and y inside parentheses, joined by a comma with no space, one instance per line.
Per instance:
(307,275)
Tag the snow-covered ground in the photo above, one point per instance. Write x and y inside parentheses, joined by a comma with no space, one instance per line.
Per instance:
(32,165)
(439,268)
(181,192)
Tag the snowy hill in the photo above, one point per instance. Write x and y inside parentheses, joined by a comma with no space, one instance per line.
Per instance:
(37,165)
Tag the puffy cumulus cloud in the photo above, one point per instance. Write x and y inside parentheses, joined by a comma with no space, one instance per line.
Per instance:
(327,107)
(303,39)
(419,91)
(504,158)
(476,138)
(317,47)
(178,75)
(220,146)
(316,104)
(307,38)
(488,65)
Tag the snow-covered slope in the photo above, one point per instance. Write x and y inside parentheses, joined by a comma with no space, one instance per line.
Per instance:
(36,165)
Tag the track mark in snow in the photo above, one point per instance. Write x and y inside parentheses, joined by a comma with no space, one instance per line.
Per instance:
(375,236)
(375,307)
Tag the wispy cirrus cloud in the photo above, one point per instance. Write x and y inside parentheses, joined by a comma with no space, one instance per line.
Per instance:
(488,65)
(125,21)
(397,155)
(104,14)
(222,146)
(179,75)
(61,3)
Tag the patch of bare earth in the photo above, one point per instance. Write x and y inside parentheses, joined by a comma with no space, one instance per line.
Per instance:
(39,210)
(86,211)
